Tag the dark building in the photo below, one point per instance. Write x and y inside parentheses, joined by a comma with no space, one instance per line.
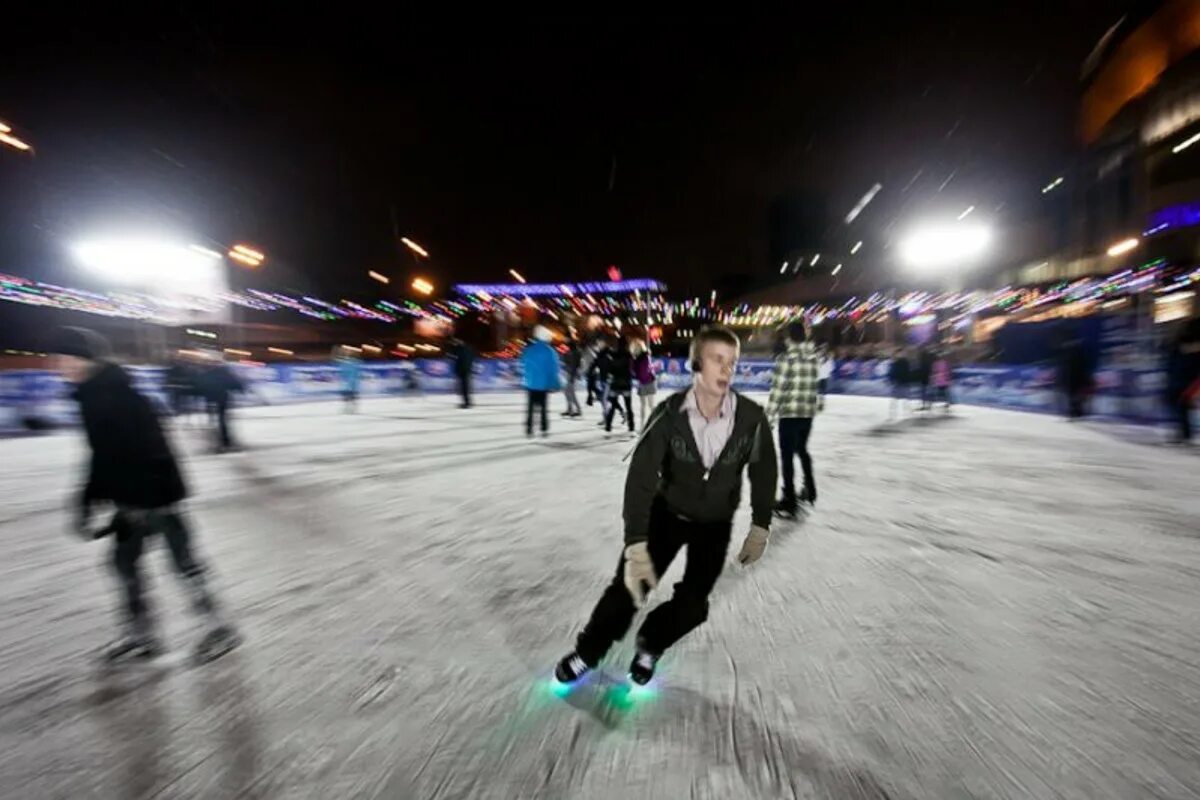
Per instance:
(1138,174)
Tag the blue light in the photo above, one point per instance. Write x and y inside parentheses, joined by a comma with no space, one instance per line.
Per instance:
(561,289)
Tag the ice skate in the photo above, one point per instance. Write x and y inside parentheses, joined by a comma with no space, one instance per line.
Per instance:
(132,648)
(571,668)
(216,643)
(786,508)
(641,669)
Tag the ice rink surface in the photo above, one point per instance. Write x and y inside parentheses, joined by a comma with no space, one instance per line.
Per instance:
(991,605)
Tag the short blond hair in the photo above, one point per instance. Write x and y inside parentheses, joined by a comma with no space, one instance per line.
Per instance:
(712,333)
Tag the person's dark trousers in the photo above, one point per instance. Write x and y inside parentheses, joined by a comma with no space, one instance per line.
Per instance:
(707,543)
(179,400)
(1076,403)
(614,398)
(592,387)
(130,530)
(221,408)
(1183,411)
(537,398)
(464,389)
(793,441)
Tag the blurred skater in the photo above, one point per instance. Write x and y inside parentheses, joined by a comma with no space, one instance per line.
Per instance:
(824,375)
(132,467)
(539,362)
(349,370)
(179,380)
(1075,377)
(683,487)
(620,384)
(590,369)
(900,376)
(1183,378)
(942,376)
(793,401)
(571,362)
(647,381)
(217,383)
(923,377)
(464,362)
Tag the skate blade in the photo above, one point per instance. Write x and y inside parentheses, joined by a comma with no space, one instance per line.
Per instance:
(209,654)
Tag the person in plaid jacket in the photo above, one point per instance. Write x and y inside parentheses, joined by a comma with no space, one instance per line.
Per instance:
(794,399)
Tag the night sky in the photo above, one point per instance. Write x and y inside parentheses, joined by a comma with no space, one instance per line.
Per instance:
(553,146)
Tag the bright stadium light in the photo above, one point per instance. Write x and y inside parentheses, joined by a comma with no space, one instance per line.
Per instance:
(1123,246)
(416,248)
(147,262)
(943,245)
(1186,143)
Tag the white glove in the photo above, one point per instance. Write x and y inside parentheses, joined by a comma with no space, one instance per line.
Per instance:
(640,579)
(754,546)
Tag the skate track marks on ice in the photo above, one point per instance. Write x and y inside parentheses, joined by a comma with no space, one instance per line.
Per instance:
(999,605)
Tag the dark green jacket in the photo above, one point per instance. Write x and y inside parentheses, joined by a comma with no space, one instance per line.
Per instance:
(666,462)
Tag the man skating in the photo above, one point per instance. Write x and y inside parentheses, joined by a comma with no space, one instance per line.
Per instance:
(464,362)
(683,487)
(793,401)
(540,366)
(133,468)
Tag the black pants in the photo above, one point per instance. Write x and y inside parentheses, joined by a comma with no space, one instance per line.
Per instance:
(537,398)
(130,530)
(616,396)
(464,389)
(793,441)
(1077,403)
(1183,415)
(592,387)
(707,543)
(219,409)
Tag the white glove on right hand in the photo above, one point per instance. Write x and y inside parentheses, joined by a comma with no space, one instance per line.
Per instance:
(640,579)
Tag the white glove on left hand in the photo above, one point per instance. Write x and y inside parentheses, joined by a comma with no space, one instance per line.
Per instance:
(640,579)
(754,546)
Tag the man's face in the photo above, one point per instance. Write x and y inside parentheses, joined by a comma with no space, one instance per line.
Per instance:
(72,368)
(718,361)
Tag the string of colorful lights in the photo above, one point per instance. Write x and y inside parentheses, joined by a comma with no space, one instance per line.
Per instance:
(639,302)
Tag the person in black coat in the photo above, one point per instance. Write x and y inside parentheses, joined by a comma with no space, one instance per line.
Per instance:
(923,374)
(464,361)
(572,360)
(180,383)
(133,468)
(1075,376)
(217,383)
(900,375)
(619,377)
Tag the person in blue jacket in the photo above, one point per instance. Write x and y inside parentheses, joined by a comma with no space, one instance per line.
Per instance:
(349,368)
(539,362)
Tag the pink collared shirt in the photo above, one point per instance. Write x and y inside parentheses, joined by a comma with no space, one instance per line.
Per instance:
(711,435)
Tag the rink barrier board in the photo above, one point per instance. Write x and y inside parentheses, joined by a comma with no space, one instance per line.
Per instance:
(1128,394)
